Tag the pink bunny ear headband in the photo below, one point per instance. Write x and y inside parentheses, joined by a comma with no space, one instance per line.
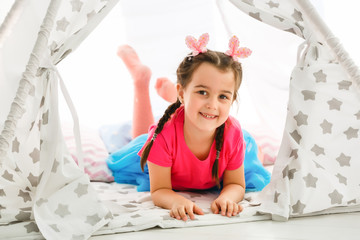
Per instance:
(199,46)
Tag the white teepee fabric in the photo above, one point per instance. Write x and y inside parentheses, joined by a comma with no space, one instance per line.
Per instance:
(41,186)
(44,191)
(316,166)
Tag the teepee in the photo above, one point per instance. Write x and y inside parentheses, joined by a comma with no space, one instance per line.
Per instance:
(39,183)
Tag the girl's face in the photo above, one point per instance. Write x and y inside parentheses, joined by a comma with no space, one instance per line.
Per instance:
(207,98)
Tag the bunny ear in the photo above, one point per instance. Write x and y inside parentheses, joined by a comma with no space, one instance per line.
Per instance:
(243,52)
(233,44)
(234,50)
(203,41)
(191,42)
(197,46)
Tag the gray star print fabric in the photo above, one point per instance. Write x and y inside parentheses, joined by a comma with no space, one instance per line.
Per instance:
(41,185)
(316,166)
(44,193)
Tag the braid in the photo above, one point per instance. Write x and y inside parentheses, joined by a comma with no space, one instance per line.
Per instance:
(167,115)
(219,139)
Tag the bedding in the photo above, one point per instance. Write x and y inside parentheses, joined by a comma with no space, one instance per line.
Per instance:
(134,211)
(131,209)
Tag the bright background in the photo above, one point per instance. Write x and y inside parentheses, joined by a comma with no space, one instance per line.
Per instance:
(101,87)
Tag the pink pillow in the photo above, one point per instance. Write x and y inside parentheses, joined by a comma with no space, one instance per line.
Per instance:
(94,152)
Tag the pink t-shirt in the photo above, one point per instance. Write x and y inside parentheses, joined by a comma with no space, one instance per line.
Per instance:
(187,171)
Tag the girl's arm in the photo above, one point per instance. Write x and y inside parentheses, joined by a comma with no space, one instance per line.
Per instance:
(233,192)
(163,196)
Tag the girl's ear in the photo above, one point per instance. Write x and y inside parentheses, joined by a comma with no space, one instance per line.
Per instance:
(180,92)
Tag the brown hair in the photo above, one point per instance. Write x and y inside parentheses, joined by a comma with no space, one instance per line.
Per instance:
(184,73)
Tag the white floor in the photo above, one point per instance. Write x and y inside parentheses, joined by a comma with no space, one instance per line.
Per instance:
(344,226)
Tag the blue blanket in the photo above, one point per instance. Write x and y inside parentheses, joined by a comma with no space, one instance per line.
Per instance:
(125,165)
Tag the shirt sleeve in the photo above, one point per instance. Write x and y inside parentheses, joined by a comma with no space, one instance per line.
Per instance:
(160,152)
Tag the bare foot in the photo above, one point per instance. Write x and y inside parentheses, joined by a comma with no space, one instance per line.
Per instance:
(166,89)
(140,73)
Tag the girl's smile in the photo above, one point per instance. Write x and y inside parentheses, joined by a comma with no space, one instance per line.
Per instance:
(207,99)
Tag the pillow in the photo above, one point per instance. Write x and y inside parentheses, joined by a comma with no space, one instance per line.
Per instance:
(115,136)
(94,152)
(268,143)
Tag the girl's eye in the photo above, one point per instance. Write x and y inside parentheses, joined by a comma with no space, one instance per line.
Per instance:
(201,92)
(223,97)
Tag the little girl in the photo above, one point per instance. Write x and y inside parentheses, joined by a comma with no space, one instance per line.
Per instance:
(195,144)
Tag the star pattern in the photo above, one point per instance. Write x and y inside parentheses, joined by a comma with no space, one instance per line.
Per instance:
(334,104)
(351,133)
(8,176)
(335,197)
(342,179)
(33,180)
(308,95)
(344,85)
(296,136)
(273,5)
(41,201)
(320,76)
(82,189)
(45,118)
(91,15)
(310,180)
(256,16)
(326,126)
(298,207)
(343,160)
(297,15)
(31,227)
(62,24)
(294,153)
(357,115)
(55,166)
(35,155)
(318,150)
(25,195)
(288,172)
(54,227)
(15,145)
(62,210)
(23,216)
(301,118)
(76,5)
(2,194)
(93,219)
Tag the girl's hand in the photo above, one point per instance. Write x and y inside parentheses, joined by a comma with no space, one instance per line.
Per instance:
(226,207)
(183,206)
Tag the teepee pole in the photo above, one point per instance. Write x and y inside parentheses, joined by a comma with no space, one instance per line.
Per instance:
(17,107)
(319,26)
(10,20)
